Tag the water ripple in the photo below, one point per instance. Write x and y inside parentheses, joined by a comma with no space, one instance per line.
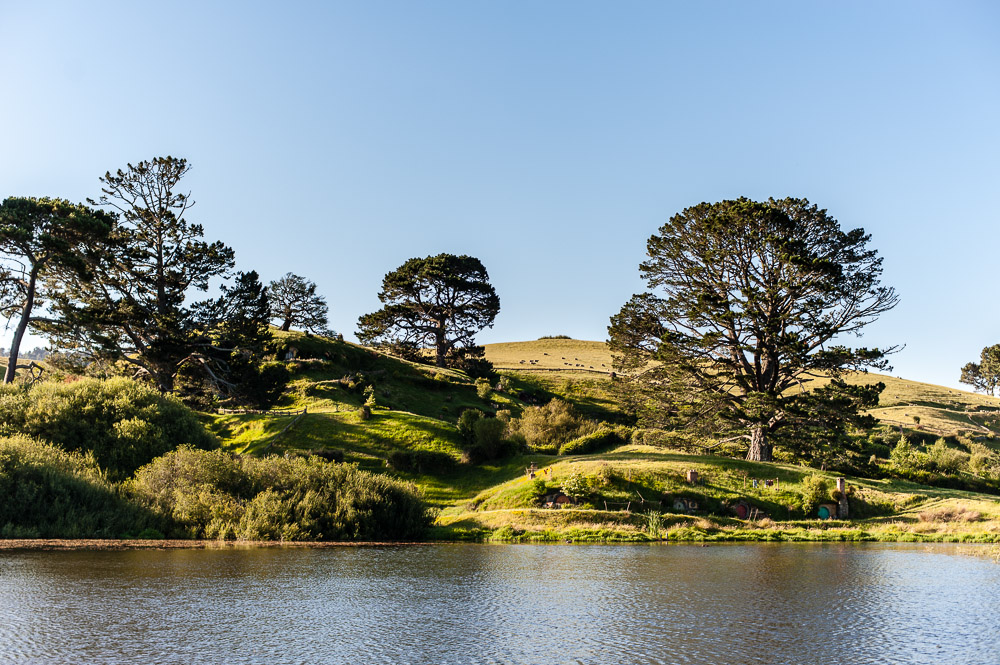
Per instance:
(459,604)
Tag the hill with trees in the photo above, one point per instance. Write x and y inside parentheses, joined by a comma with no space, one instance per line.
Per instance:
(723,406)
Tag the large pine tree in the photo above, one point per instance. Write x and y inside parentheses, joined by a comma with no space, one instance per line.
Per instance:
(747,301)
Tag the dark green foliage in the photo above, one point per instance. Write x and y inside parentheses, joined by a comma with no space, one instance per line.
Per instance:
(211,494)
(439,302)
(826,419)
(229,343)
(50,493)
(746,300)
(483,438)
(539,488)
(135,309)
(466,425)
(490,441)
(984,376)
(295,303)
(124,424)
(41,241)
(472,361)
(421,461)
(596,441)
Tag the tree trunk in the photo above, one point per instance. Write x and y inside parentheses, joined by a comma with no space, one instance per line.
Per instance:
(286,324)
(440,347)
(22,326)
(760,447)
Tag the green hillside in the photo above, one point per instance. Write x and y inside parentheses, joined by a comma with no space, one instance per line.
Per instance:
(942,411)
(628,491)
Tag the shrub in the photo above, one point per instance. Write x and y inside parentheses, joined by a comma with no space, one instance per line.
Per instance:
(484,438)
(907,459)
(576,487)
(50,493)
(211,494)
(815,491)
(589,443)
(538,490)
(125,424)
(546,428)
(983,461)
(489,434)
(945,459)
(466,425)
(483,388)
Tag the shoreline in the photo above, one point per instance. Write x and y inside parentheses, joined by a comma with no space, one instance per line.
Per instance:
(771,537)
(111,544)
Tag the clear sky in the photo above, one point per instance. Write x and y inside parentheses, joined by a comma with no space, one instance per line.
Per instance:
(549,139)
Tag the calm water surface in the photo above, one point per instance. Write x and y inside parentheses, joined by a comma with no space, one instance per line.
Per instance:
(503,604)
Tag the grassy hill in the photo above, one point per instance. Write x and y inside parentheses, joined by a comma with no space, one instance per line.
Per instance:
(629,490)
(586,364)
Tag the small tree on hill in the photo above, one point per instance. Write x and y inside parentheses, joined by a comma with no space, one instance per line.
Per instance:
(295,303)
(749,299)
(984,376)
(439,302)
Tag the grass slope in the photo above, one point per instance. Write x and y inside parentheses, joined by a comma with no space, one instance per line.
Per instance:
(417,407)
(942,411)
(633,489)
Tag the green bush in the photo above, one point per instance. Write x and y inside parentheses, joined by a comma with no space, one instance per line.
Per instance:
(576,487)
(466,425)
(50,493)
(599,440)
(905,458)
(211,494)
(983,461)
(483,388)
(546,428)
(125,424)
(815,491)
(945,459)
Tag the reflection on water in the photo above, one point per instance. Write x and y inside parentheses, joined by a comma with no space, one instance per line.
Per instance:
(735,604)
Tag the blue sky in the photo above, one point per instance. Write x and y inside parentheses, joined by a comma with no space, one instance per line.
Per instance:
(549,139)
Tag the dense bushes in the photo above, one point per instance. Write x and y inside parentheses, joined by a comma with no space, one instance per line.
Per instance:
(210,494)
(484,438)
(546,428)
(599,440)
(124,424)
(943,466)
(50,493)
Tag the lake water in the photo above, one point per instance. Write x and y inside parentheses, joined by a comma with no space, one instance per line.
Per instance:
(788,603)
